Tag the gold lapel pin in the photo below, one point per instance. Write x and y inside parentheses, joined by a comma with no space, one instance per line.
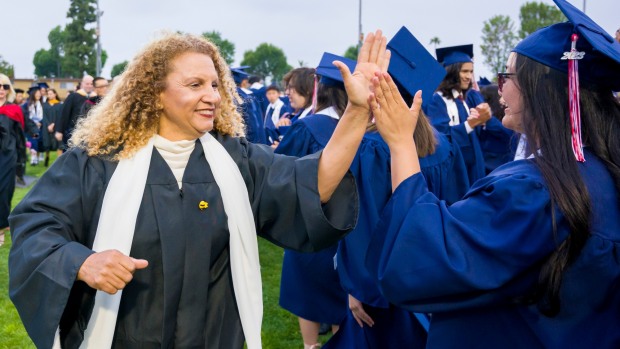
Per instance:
(202,205)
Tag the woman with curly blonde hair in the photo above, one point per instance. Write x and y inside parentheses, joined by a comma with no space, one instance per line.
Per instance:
(144,233)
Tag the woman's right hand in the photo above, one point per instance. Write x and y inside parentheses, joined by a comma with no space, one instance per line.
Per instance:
(109,271)
(284,122)
(395,121)
(373,57)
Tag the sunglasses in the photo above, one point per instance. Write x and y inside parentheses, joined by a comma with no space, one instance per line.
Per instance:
(6,86)
(501,79)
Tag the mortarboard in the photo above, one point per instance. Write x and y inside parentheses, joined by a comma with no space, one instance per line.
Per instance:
(483,81)
(455,54)
(330,75)
(598,54)
(581,49)
(412,67)
(33,87)
(43,85)
(239,74)
(19,90)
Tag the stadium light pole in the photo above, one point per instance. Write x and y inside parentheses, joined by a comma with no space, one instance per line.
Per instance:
(360,34)
(98,32)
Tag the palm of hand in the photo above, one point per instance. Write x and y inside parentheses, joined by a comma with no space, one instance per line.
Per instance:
(359,86)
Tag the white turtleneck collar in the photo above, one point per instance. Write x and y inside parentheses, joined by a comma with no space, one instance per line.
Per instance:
(176,154)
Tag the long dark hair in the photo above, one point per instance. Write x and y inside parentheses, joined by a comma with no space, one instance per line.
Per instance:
(452,80)
(547,127)
(331,96)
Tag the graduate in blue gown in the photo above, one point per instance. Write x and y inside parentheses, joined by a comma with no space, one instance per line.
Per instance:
(250,107)
(372,321)
(299,89)
(310,287)
(450,114)
(498,143)
(529,257)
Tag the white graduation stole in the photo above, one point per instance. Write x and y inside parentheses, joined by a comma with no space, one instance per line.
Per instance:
(117,223)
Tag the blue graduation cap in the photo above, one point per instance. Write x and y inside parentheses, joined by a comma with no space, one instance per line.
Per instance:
(412,67)
(43,85)
(33,87)
(598,53)
(455,54)
(239,74)
(483,81)
(330,75)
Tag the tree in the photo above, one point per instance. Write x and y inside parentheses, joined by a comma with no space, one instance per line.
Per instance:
(435,41)
(49,62)
(119,68)
(499,39)
(7,68)
(536,15)
(227,48)
(351,52)
(79,44)
(267,61)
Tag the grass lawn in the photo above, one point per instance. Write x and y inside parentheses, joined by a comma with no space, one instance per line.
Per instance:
(280,328)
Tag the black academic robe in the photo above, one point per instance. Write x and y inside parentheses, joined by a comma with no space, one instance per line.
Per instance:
(184,298)
(11,134)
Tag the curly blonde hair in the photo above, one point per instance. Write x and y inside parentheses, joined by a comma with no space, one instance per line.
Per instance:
(128,116)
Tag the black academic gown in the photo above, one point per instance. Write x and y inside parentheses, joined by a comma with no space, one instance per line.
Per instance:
(11,134)
(184,298)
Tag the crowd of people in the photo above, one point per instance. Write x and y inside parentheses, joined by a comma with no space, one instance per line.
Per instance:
(417,206)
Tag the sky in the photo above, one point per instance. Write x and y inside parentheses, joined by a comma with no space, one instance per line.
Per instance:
(303,30)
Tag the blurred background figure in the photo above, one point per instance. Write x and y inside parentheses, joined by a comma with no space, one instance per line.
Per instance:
(11,143)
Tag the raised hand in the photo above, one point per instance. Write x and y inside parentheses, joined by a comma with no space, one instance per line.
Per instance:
(373,57)
(395,120)
(109,271)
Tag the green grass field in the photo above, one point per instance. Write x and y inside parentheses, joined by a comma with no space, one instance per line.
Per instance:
(280,328)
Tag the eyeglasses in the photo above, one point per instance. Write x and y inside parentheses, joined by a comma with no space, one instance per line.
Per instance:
(501,79)
(6,87)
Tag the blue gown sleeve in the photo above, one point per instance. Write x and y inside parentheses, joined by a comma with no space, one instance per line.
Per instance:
(298,141)
(430,257)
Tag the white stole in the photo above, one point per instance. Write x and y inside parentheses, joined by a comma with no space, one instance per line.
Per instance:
(117,223)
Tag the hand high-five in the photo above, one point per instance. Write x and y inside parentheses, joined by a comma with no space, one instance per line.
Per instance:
(395,120)
(373,57)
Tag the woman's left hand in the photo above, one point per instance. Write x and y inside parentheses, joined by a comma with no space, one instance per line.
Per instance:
(395,120)
(373,58)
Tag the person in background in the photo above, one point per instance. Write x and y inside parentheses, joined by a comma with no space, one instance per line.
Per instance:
(71,111)
(259,90)
(43,87)
(52,108)
(100,89)
(162,197)
(498,143)
(449,112)
(299,89)
(12,142)
(529,257)
(33,113)
(19,96)
(275,110)
(309,286)
(249,106)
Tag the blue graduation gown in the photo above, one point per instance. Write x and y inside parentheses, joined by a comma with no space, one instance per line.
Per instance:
(498,143)
(469,143)
(310,287)
(466,263)
(252,117)
(446,174)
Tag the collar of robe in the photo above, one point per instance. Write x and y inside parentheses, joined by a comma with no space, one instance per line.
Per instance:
(118,220)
